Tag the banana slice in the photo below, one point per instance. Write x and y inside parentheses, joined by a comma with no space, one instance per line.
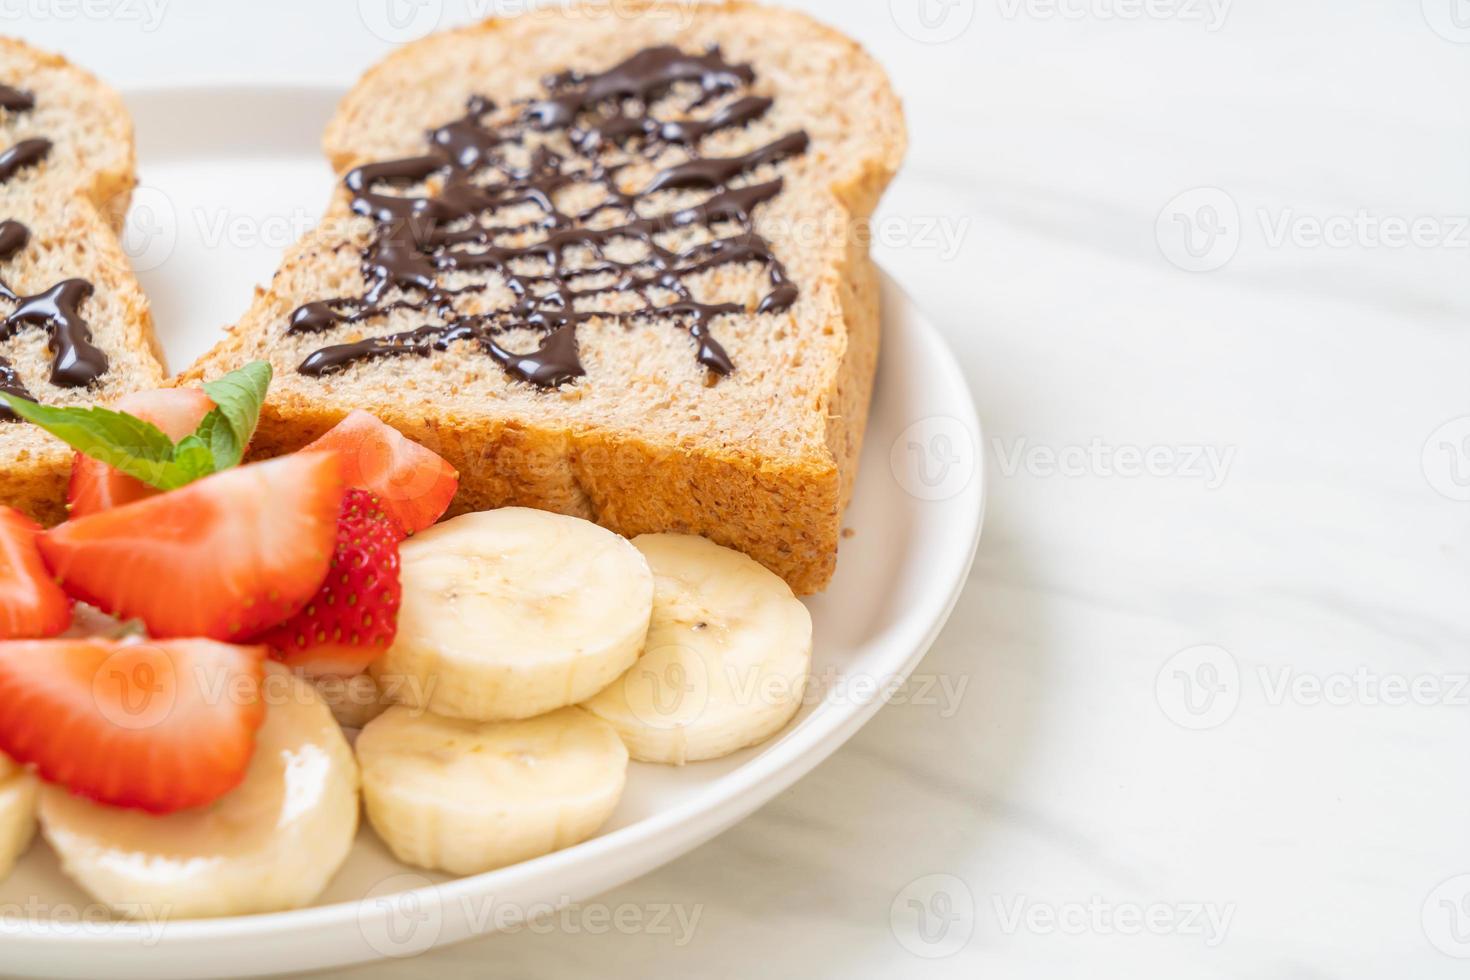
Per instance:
(467,796)
(271,843)
(726,662)
(512,613)
(17,812)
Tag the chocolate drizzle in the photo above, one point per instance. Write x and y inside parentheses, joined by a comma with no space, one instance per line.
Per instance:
(16,100)
(13,238)
(558,264)
(75,360)
(26,153)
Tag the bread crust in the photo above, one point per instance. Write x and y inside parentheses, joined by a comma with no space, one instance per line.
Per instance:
(107,181)
(74,203)
(783,509)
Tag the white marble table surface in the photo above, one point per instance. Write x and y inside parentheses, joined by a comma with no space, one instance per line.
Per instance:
(1212,661)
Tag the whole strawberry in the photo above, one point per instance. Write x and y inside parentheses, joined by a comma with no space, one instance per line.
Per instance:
(353,618)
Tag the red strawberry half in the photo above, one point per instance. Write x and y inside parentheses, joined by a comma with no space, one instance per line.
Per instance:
(224,557)
(95,486)
(414,484)
(31,603)
(352,619)
(157,725)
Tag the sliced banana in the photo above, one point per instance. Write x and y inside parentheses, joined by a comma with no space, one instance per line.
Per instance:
(512,613)
(726,662)
(271,843)
(468,796)
(17,812)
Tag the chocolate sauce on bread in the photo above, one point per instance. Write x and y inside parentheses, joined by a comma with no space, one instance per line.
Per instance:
(75,360)
(15,99)
(26,153)
(484,169)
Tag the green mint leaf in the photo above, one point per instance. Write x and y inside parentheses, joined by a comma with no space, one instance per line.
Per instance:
(126,443)
(192,459)
(238,397)
(218,439)
(141,450)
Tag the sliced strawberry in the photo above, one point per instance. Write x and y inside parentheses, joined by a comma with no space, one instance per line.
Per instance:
(224,557)
(31,603)
(95,486)
(157,725)
(413,483)
(350,622)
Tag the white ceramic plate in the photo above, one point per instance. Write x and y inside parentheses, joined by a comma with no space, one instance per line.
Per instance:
(232,175)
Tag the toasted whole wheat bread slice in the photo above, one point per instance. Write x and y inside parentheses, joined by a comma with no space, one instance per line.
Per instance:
(72,201)
(653,437)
